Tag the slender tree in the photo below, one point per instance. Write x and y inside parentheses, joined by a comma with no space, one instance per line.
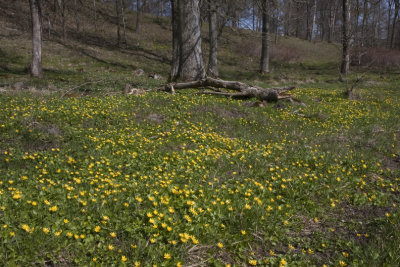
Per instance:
(138,14)
(95,15)
(118,10)
(213,34)
(264,64)
(122,4)
(395,18)
(36,65)
(176,39)
(346,37)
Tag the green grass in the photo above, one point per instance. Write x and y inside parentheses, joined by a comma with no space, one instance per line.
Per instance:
(95,177)
(311,185)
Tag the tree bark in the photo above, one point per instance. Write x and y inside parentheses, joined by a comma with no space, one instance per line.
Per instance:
(346,37)
(191,61)
(76,16)
(213,34)
(138,14)
(332,20)
(389,16)
(36,65)
(312,34)
(264,64)
(122,3)
(95,15)
(118,9)
(396,15)
(364,22)
(244,90)
(64,17)
(176,40)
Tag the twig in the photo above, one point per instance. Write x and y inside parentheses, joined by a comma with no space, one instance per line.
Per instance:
(79,86)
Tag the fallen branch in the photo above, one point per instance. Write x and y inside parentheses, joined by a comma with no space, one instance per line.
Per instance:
(69,90)
(244,90)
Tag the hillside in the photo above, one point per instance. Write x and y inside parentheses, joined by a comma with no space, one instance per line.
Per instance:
(89,55)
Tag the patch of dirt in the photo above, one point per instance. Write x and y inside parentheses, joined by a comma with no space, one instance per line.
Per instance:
(221,112)
(157,118)
(392,163)
(42,136)
(198,255)
(349,220)
(50,129)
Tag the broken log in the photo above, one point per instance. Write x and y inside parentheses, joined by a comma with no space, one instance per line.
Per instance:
(244,90)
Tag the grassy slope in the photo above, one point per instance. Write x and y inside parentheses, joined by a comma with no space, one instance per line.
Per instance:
(308,185)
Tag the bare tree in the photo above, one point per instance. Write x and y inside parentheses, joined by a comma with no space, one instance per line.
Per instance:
(176,39)
(264,64)
(346,37)
(95,15)
(123,4)
(138,14)
(36,65)
(213,34)
(118,10)
(396,15)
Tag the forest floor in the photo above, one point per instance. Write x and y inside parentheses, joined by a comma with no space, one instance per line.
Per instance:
(91,176)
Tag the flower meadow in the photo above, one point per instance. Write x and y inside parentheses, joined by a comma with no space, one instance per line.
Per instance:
(191,180)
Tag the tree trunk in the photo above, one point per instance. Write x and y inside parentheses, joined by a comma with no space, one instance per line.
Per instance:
(312,34)
(245,90)
(64,17)
(332,20)
(191,61)
(76,16)
(176,40)
(138,14)
(364,23)
(36,65)
(288,20)
(95,15)
(264,64)
(213,33)
(118,9)
(346,37)
(396,15)
(388,37)
(308,27)
(122,3)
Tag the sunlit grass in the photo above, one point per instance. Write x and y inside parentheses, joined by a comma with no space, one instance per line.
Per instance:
(169,180)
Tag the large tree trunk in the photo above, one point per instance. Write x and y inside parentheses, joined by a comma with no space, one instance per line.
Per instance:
(213,33)
(244,90)
(36,65)
(138,14)
(176,40)
(191,62)
(264,65)
(346,38)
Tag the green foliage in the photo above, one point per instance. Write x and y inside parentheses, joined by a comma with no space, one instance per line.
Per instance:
(163,179)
